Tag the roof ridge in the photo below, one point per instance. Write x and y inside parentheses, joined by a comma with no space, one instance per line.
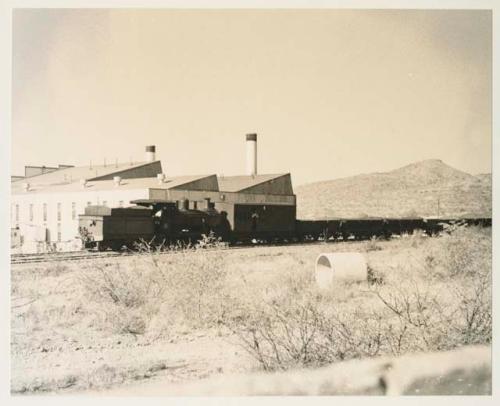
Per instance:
(138,165)
(72,168)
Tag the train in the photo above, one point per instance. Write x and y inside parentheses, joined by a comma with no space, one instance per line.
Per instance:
(166,223)
(105,228)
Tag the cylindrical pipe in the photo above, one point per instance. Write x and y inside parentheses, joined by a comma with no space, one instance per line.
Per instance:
(251,154)
(150,153)
(331,267)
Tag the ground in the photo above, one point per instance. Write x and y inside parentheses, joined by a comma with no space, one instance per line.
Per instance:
(108,323)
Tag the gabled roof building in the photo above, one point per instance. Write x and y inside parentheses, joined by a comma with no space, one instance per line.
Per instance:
(45,206)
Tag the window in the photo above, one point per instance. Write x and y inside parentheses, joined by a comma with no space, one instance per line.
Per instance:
(58,232)
(58,211)
(73,210)
(120,203)
(45,212)
(31,212)
(17,213)
(104,203)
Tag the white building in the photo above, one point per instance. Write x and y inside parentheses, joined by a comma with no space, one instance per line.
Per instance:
(45,207)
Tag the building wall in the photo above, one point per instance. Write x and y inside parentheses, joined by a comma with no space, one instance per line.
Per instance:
(227,201)
(225,197)
(60,223)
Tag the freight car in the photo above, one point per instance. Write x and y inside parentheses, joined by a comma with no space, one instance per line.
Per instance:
(360,229)
(164,222)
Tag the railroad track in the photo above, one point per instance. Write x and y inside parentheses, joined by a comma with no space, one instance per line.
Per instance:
(58,257)
(88,255)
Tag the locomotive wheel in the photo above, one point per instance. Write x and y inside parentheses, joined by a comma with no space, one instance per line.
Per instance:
(116,245)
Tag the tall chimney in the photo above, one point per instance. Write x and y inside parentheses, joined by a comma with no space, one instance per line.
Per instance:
(150,153)
(251,154)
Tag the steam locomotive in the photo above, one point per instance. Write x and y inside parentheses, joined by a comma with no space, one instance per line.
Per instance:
(155,222)
(163,222)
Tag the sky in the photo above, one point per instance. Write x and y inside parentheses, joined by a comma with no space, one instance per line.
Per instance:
(330,93)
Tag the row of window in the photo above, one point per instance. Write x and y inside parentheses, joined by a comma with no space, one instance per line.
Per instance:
(59,210)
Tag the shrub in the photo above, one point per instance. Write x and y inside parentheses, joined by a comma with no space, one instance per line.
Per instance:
(473,322)
(460,250)
(372,245)
(183,287)
(415,309)
(438,298)
(373,276)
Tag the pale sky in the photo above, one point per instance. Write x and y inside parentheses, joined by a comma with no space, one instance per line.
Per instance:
(331,93)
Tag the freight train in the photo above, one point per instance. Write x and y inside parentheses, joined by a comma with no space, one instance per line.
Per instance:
(104,228)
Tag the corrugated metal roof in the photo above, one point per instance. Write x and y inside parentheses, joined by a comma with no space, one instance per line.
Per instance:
(97,185)
(69,175)
(240,183)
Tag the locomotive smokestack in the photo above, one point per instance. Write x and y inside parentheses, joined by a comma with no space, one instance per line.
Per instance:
(251,154)
(150,153)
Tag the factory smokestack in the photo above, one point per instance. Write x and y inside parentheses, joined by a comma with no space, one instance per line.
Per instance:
(251,154)
(150,153)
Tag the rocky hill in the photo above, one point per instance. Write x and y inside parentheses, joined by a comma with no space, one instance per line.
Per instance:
(427,188)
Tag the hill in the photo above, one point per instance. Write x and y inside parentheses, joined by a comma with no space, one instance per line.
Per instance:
(426,188)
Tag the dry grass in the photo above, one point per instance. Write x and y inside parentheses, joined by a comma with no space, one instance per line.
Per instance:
(424,294)
(419,305)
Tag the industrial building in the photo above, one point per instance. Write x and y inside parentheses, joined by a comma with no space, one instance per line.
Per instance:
(46,202)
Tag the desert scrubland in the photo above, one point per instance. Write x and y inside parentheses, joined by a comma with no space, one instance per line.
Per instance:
(180,317)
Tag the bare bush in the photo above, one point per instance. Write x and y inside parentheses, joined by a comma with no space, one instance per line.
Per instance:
(373,245)
(439,300)
(181,286)
(463,250)
(374,277)
(417,310)
(473,322)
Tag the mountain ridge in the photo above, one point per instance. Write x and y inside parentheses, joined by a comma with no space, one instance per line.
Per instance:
(426,188)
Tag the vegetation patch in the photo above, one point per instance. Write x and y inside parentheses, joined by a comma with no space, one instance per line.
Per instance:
(93,320)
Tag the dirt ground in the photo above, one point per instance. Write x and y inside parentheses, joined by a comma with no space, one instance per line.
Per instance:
(52,350)
(57,346)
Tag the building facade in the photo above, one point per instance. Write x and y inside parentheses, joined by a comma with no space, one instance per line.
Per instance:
(45,207)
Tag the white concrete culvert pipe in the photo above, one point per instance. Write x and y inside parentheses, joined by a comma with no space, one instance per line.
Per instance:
(345,266)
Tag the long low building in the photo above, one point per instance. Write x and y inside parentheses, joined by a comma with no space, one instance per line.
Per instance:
(45,207)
